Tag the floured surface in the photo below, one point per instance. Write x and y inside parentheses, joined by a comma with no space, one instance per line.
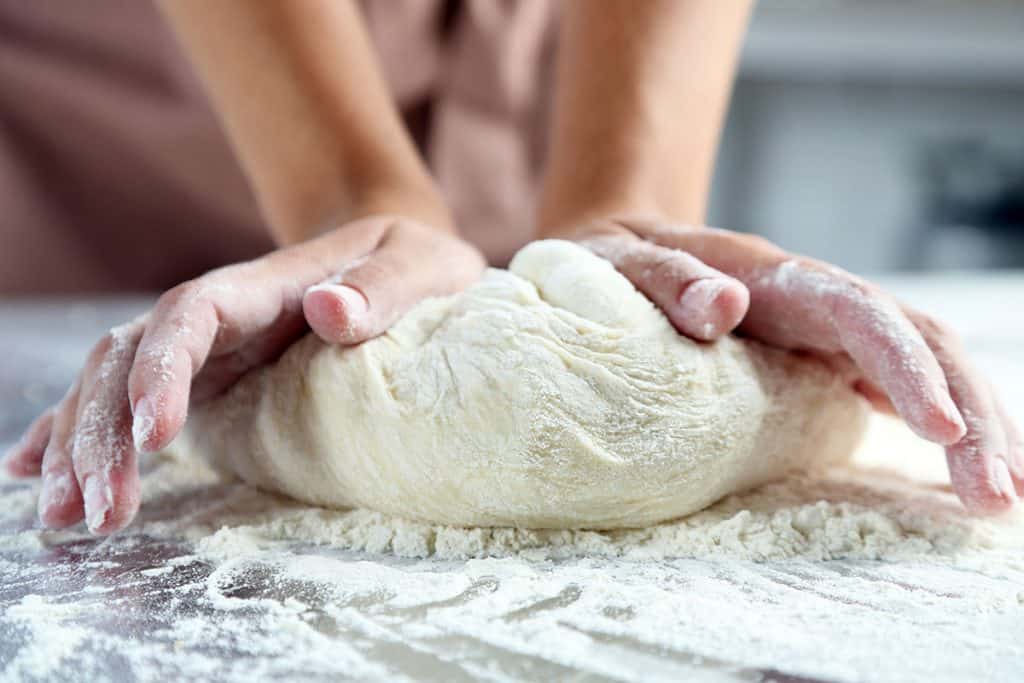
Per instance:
(214,568)
(884,506)
(350,618)
(144,606)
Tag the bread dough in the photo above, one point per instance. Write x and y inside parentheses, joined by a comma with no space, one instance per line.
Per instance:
(551,395)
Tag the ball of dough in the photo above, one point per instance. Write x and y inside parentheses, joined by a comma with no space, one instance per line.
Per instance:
(550,395)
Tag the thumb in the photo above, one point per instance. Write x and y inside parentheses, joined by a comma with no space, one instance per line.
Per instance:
(701,302)
(410,263)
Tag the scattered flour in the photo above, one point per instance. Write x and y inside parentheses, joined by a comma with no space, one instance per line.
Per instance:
(217,581)
(43,654)
(255,586)
(892,502)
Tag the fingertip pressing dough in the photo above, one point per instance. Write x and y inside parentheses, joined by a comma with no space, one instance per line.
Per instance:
(550,395)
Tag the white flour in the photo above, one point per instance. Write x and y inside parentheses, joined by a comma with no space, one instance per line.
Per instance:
(131,608)
(251,599)
(882,507)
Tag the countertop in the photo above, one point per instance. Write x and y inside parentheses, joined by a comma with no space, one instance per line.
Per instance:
(125,608)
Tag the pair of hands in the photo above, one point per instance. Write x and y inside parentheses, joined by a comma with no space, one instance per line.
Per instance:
(349,285)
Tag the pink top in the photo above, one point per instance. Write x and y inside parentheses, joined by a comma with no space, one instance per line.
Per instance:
(114,173)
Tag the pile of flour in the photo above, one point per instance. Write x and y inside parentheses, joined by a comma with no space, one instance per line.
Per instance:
(893,501)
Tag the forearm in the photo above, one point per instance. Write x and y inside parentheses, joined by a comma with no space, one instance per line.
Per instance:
(307,111)
(642,91)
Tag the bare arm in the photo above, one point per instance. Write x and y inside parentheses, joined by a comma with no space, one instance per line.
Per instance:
(298,89)
(643,88)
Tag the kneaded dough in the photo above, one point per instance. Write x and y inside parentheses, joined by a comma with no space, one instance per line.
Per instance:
(550,395)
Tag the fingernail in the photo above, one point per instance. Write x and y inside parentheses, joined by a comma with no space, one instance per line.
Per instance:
(97,502)
(355,302)
(54,491)
(143,422)
(697,300)
(1003,482)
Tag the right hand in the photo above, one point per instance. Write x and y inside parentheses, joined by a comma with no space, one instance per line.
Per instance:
(134,392)
(903,361)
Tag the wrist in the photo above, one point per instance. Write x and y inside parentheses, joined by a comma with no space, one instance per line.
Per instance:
(564,214)
(419,201)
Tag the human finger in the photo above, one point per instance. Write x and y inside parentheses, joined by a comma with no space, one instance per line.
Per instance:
(1015,444)
(804,304)
(60,499)
(218,318)
(701,302)
(104,458)
(894,356)
(25,458)
(368,296)
(979,463)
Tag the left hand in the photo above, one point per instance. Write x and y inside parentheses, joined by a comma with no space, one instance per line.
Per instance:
(135,390)
(710,281)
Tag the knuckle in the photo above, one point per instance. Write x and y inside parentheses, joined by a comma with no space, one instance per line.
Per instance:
(402,227)
(619,249)
(753,244)
(55,457)
(669,266)
(858,288)
(750,242)
(180,295)
(936,330)
(847,292)
(674,229)
(372,271)
(187,308)
(661,268)
(614,228)
(116,345)
(754,241)
(100,349)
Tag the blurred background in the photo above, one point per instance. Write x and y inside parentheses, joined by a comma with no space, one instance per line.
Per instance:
(880,136)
